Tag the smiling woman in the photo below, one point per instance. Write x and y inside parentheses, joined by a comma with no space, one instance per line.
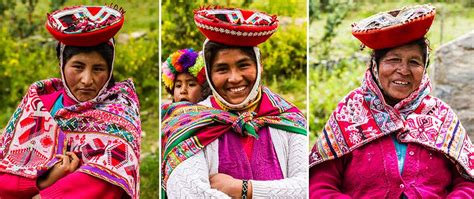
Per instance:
(233,72)
(390,131)
(400,70)
(243,141)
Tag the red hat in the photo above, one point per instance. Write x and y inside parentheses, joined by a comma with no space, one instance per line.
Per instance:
(235,27)
(85,25)
(394,28)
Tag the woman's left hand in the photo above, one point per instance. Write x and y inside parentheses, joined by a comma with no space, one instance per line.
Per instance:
(227,184)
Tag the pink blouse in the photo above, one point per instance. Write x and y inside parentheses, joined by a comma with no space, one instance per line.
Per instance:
(372,171)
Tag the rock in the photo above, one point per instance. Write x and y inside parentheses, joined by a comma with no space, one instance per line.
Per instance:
(454,78)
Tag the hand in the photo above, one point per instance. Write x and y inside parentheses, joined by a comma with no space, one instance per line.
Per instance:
(227,184)
(68,163)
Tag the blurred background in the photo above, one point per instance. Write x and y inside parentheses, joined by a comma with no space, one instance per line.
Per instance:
(283,55)
(28,55)
(337,65)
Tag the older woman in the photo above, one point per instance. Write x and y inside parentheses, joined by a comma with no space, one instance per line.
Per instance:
(211,149)
(184,76)
(79,136)
(389,138)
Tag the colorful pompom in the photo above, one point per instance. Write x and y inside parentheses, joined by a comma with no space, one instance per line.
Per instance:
(187,58)
(167,75)
(198,66)
(182,61)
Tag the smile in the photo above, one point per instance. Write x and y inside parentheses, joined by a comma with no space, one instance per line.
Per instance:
(401,83)
(237,89)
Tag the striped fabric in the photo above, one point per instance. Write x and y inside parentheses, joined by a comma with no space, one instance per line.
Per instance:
(188,128)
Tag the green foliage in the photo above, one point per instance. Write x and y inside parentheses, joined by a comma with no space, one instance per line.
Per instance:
(178,30)
(149,173)
(291,8)
(284,54)
(138,59)
(21,25)
(337,12)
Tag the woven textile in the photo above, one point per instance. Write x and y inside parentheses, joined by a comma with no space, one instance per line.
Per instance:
(85,25)
(363,116)
(188,128)
(104,134)
(394,28)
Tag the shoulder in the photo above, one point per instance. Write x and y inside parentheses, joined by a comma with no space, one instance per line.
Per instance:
(206,102)
(435,105)
(124,89)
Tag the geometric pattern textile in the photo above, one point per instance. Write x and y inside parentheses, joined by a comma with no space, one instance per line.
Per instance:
(363,116)
(105,134)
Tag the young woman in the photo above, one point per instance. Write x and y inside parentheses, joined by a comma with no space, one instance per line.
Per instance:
(211,149)
(389,138)
(79,136)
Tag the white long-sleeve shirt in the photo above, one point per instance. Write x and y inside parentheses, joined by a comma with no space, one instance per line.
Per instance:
(190,179)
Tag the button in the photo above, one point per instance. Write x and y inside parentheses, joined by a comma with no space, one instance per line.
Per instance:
(411,153)
(402,186)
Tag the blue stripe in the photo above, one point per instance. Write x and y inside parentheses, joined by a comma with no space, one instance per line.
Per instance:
(452,138)
(329,143)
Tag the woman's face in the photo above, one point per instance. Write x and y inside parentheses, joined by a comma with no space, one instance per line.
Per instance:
(401,71)
(186,88)
(233,74)
(86,74)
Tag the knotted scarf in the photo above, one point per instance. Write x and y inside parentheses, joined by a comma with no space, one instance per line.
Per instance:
(188,128)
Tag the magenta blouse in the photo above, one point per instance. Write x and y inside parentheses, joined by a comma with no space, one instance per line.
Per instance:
(372,171)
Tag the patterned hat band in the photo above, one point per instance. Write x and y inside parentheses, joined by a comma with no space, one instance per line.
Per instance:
(234,26)
(85,25)
(394,28)
(235,33)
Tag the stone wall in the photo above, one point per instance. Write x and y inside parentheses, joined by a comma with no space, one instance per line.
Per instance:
(454,78)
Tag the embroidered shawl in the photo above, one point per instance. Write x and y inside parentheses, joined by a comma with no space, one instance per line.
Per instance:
(188,128)
(104,133)
(363,116)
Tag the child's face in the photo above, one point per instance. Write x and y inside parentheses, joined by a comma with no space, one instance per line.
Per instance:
(186,88)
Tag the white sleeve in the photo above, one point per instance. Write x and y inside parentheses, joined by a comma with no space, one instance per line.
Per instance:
(190,179)
(295,185)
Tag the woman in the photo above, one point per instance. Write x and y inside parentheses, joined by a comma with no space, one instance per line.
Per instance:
(79,136)
(211,149)
(184,77)
(389,138)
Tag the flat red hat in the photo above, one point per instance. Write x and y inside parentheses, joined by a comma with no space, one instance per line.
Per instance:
(235,27)
(394,28)
(85,25)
